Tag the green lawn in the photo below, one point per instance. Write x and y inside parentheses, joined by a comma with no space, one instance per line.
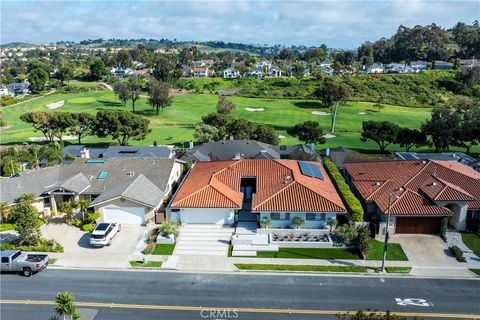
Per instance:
(472,240)
(394,252)
(52,260)
(7,226)
(149,264)
(286,267)
(164,249)
(476,271)
(398,269)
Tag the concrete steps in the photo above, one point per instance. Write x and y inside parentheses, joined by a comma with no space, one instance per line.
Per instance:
(236,253)
(205,240)
(201,252)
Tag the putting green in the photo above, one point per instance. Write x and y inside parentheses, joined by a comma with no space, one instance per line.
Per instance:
(80,100)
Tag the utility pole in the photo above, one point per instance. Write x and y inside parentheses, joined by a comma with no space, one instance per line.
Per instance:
(385,244)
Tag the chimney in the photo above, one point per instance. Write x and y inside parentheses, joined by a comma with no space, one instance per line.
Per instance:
(327,152)
(85,153)
(190,144)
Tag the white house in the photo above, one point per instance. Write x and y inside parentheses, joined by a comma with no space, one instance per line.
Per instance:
(230,73)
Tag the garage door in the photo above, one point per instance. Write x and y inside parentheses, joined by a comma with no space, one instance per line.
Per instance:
(427,225)
(126,215)
(207,216)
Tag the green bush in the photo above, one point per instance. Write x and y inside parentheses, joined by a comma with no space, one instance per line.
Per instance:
(44,246)
(354,207)
(458,253)
(298,222)
(92,217)
(88,227)
(168,228)
(75,222)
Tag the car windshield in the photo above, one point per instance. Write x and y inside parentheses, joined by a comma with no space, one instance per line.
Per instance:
(102,227)
(97,236)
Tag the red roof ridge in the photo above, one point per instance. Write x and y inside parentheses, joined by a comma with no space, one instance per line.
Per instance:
(274,194)
(190,195)
(222,187)
(452,186)
(384,183)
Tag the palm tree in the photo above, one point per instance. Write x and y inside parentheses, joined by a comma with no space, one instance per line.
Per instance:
(5,211)
(27,198)
(65,306)
(83,206)
(52,152)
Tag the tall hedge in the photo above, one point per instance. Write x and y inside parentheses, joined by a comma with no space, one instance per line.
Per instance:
(354,207)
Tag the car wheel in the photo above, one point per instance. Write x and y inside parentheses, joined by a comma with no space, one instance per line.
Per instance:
(27,272)
(110,242)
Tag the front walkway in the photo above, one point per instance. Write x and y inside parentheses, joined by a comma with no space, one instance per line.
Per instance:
(203,240)
(454,238)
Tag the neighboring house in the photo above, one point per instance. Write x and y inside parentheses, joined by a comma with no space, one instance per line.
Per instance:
(230,73)
(130,191)
(339,155)
(417,194)
(446,156)
(277,189)
(443,65)
(419,65)
(468,64)
(80,151)
(200,72)
(274,72)
(246,149)
(18,88)
(264,64)
(255,72)
(121,73)
(394,68)
(375,68)
(4,92)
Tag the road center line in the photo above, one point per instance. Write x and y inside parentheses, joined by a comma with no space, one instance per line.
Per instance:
(239,310)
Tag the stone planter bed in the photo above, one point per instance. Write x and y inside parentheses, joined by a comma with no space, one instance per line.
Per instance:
(299,238)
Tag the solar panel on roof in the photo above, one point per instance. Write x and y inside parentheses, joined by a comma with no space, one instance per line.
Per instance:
(408,155)
(310,170)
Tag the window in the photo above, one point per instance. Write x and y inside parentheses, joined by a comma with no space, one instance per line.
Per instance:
(4,259)
(280,216)
(315,216)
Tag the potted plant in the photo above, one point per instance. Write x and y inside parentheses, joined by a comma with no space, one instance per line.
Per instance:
(298,222)
(265,222)
(332,223)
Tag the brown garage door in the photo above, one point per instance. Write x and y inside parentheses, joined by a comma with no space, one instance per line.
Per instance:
(429,225)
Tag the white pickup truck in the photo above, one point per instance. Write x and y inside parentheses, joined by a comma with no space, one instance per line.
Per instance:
(23,262)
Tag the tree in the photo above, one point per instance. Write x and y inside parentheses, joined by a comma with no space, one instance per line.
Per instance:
(266,134)
(122,89)
(363,239)
(40,121)
(205,133)
(441,128)
(241,129)
(27,198)
(467,134)
(9,166)
(379,105)
(123,59)
(408,138)
(332,94)
(60,123)
(82,125)
(286,54)
(26,217)
(121,125)
(219,121)
(159,95)
(372,315)
(383,133)
(97,70)
(308,132)
(166,69)
(225,106)
(65,73)
(5,211)
(135,90)
(65,306)
(53,153)
(37,78)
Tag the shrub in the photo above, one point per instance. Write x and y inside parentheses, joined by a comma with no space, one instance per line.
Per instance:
(88,227)
(149,248)
(354,207)
(346,233)
(92,217)
(298,222)
(363,239)
(168,228)
(74,222)
(458,253)
(265,222)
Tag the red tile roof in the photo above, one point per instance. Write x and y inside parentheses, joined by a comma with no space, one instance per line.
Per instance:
(416,185)
(280,186)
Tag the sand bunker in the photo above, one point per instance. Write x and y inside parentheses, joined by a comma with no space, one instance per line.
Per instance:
(255,109)
(56,105)
(328,136)
(281,137)
(362,113)
(320,113)
(38,139)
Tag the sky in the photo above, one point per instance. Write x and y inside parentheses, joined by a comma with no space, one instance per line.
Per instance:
(339,24)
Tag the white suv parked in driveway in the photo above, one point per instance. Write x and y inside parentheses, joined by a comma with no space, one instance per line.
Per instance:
(103,234)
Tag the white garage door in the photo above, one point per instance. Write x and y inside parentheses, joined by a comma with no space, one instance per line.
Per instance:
(207,216)
(127,215)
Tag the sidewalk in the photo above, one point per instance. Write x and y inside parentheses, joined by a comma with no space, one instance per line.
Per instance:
(454,238)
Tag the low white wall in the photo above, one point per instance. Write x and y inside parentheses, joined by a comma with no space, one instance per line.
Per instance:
(314,224)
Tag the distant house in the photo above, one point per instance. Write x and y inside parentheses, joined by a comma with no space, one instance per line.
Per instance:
(419,65)
(201,72)
(255,72)
(121,73)
(80,151)
(339,155)
(443,65)
(468,64)
(264,64)
(246,149)
(444,156)
(4,92)
(186,71)
(230,73)
(374,68)
(394,68)
(18,88)
(274,72)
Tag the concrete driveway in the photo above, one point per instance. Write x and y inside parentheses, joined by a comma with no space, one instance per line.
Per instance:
(79,252)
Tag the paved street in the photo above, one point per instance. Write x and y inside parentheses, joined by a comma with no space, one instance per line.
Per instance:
(161,295)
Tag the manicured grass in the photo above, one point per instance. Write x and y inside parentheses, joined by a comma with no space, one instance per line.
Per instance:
(394,251)
(7,226)
(149,264)
(311,253)
(476,271)
(286,267)
(398,269)
(472,241)
(52,260)
(164,249)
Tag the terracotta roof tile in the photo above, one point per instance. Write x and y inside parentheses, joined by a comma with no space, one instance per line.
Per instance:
(280,186)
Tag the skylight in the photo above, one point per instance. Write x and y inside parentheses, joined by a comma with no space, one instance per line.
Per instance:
(95,161)
(103,175)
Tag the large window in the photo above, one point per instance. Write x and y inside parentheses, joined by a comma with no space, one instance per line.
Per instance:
(315,216)
(280,216)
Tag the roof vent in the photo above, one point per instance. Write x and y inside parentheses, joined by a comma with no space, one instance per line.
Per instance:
(377,183)
(400,189)
(424,162)
(434,183)
(131,173)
